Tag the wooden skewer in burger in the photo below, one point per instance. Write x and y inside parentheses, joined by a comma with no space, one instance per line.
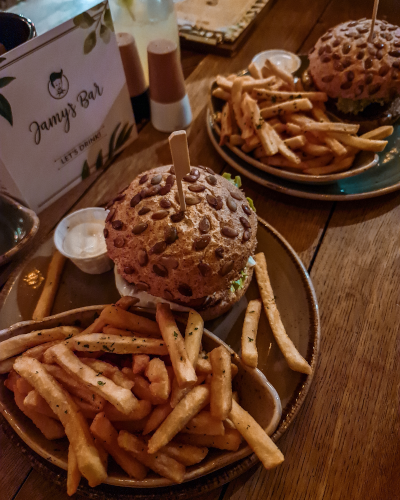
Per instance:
(195,252)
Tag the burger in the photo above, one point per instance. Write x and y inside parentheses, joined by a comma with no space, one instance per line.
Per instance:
(200,258)
(361,77)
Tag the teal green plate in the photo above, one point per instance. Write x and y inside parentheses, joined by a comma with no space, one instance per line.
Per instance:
(383,178)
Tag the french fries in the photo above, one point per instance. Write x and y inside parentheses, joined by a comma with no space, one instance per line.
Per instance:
(294,359)
(183,368)
(75,425)
(103,430)
(54,271)
(93,400)
(269,116)
(249,333)
(187,408)
(221,383)
(121,398)
(15,345)
(258,440)
(161,463)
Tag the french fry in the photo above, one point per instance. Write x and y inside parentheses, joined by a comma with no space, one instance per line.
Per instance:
(286,107)
(103,430)
(295,142)
(204,423)
(139,363)
(280,73)
(126,302)
(254,71)
(7,364)
(11,380)
(226,123)
(359,143)
(54,271)
(258,440)
(221,384)
(348,128)
(203,364)
(236,140)
(115,316)
(142,410)
(109,371)
(160,385)
(315,149)
(73,473)
(262,128)
(75,425)
(76,388)
(237,101)
(161,463)
(186,454)
(249,333)
(38,351)
(117,344)
(294,359)
(49,427)
(224,83)
(34,401)
(111,330)
(251,83)
(193,336)
(96,327)
(187,408)
(15,345)
(379,133)
(337,166)
(183,368)
(229,441)
(121,398)
(141,389)
(281,96)
(158,415)
(221,94)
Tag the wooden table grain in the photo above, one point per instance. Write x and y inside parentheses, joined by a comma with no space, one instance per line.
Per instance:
(344,443)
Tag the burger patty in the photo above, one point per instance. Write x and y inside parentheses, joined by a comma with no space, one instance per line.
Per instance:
(373,116)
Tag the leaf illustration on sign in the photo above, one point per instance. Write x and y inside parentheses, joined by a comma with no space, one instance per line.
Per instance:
(114,147)
(85,170)
(5,108)
(90,42)
(101,20)
(99,161)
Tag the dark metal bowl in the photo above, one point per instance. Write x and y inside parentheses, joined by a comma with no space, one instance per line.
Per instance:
(18,225)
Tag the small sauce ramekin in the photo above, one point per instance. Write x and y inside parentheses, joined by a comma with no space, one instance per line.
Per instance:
(79,237)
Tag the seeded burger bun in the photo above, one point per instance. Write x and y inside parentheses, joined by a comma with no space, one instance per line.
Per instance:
(191,258)
(361,77)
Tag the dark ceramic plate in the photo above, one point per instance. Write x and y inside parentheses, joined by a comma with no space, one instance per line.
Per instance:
(296,301)
(18,225)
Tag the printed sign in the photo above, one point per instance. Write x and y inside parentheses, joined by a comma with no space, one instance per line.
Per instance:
(65,110)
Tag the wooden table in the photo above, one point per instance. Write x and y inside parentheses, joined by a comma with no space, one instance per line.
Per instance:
(344,443)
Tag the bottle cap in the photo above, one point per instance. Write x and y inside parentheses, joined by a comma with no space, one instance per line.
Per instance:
(132,66)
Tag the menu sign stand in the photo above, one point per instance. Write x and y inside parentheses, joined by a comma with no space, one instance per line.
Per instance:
(65,109)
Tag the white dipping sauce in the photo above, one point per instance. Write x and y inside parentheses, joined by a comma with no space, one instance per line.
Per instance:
(85,240)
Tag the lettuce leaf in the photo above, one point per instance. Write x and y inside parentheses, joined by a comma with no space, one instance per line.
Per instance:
(237,181)
(251,203)
(239,284)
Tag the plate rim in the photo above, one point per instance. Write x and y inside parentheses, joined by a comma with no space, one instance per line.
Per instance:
(221,476)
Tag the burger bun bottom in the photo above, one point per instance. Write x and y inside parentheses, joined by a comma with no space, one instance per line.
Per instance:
(221,302)
(373,116)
